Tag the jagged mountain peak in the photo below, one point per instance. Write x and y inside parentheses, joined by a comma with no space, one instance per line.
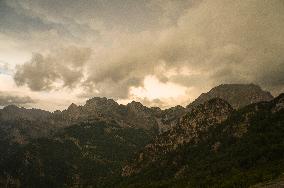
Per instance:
(14,108)
(101,130)
(135,103)
(188,129)
(156,109)
(279,103)
(100,101)
(13,112)
(280,98)
(137,106)
(212,105)
(72,107)
(100,104)
(216,103)
(191,150)
(11,107)
(238,86)
(204,115)
(238,95)
(56,112)
(177,107)
(72,112)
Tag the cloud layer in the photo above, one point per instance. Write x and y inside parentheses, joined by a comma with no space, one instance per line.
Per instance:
(42,72)
(194,44)
(8,99)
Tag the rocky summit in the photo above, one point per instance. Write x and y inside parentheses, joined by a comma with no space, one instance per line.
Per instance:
(189,130)
(231,136)
(214,146)
(238,95)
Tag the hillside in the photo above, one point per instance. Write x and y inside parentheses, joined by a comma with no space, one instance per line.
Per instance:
(86,154)
(238,95)
(245,148)
(22,124)
(106,144)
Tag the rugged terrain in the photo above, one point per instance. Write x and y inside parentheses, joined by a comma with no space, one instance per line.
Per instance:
(238,95)
(214,146)
(22,124)
(232,136)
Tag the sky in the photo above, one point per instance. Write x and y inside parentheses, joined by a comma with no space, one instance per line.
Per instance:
(158,52)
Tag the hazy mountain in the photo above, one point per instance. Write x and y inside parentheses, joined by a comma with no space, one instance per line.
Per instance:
(13,112)
(106,144)
(214,146)
(238,95)
(189,129)
(84,155)
(23,124)
(20,124)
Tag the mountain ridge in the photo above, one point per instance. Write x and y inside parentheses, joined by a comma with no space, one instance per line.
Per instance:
(243,149)
(106,144)
(134,114)
(238,95)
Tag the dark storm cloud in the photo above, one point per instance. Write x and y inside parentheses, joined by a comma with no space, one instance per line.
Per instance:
(8,99)
(218,41)
(221,41)
(12,21)
(41,72)
(125,13)
(24,21)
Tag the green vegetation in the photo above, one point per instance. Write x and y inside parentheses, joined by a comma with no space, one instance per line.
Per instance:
(256,156)
(85,155)
(244,150)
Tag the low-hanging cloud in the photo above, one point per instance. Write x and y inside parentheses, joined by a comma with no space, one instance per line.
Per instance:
(217,41)
(213,42)
(42,72)
(8,99)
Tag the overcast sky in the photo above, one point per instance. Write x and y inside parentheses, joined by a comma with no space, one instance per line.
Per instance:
(159,52)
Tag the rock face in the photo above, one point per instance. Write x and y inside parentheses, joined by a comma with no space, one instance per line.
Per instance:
(13,112)
(105,144)
(133,114)
(169,118)
(238,95)
(22,124)
(214,145)
(188,129)
(82,155)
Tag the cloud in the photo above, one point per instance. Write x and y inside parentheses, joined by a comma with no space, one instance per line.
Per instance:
(42,72)
(8,99)
(218,41)
(91,17)
(4,68)
(212,42)
(154,103)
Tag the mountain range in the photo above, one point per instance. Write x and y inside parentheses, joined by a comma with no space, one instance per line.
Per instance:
(231,136)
